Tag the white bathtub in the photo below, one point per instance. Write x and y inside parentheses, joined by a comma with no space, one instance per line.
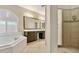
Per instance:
(12,43)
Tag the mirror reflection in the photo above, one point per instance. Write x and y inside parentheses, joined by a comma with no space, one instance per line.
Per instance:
(33,23)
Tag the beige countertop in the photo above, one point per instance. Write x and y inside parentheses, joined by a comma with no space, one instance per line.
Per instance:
(31,30)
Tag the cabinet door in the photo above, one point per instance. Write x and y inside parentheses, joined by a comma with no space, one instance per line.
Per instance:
(31,36)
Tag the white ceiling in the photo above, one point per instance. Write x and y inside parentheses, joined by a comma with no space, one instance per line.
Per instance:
(36,8)
(41,10)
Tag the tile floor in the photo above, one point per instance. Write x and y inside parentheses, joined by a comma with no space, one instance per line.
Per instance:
(39,47)
(36,47)
(68,50)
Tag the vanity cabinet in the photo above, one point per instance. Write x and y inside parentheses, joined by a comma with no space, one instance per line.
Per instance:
(31,36)
(42,35)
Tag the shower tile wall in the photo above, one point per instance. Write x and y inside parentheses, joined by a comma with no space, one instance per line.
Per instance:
(70,29)
(75,34)
(66,34)
(67,14)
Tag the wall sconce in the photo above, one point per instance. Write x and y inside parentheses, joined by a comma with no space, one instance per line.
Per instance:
(74,18)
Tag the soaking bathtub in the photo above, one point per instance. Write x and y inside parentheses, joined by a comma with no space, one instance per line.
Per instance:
(12,43)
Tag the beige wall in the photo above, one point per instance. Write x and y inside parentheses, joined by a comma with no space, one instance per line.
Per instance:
(51,28)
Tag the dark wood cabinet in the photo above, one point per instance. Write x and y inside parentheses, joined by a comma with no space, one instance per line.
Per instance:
(31,36)
(42,35)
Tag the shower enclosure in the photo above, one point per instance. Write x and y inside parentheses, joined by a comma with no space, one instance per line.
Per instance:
(71,34)
(70,28)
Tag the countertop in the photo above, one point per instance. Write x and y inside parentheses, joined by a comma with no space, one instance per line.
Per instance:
(31,30)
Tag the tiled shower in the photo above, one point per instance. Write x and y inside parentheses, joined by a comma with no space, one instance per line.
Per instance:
(70,28)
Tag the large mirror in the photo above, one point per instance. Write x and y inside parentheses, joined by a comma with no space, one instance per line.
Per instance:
(33,23)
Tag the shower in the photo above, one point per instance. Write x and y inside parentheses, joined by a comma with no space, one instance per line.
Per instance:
(70,28)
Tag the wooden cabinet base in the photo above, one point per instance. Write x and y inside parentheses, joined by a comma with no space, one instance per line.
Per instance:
(31,36)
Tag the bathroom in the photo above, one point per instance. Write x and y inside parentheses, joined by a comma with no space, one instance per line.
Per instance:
(20,26)
(23,22)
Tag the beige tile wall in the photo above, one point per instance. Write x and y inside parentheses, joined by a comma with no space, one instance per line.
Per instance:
(67,14)
(70,29)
